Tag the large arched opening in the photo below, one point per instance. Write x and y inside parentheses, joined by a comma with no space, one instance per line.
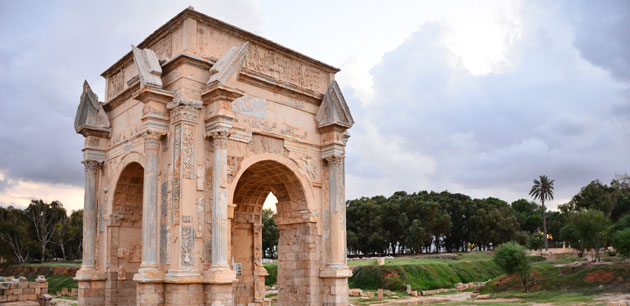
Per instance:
(125,232)
(298,260)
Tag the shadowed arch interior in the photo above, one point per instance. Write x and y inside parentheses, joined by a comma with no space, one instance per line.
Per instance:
(269,176)
(125,236)
(252,189)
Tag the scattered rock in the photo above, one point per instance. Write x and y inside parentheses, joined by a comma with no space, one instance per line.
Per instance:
(355,292)
(483,296)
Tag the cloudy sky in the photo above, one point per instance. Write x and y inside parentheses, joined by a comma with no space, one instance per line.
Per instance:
(477,97)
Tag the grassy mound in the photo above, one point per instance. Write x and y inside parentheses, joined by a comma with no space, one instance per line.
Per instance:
(587,278)
(424,274)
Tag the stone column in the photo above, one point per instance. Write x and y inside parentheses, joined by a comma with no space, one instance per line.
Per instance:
(89,214)
(335,272)
(220,270)
(337,212)
(149,267)
(91,282)
(219,277)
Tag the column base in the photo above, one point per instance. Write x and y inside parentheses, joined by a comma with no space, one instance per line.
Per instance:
(219,275)
(149,275)
(335,271)
(182,277)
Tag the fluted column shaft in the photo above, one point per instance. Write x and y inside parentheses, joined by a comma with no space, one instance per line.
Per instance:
(89,214)
(337,211)
(219,200)
(149,202)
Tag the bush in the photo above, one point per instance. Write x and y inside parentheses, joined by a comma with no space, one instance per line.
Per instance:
(536,241)
(621,242)
(512,258)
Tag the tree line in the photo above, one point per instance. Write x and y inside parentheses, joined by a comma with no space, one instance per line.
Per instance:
(41,231)
(404,223)
(424,222)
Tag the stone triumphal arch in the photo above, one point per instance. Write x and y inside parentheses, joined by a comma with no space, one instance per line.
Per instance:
(200,123)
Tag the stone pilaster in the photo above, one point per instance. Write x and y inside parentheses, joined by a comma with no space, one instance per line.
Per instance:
(184,115)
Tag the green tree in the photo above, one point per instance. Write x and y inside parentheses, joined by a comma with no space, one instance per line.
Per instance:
(543,190)
(270,234)
(588,229)
(536,241)
(14,234)
(74,234)
(512,258)
(44,217)
(621,242)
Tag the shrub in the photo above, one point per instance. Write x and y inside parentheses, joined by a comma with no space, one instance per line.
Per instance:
(512,258)
(621,242)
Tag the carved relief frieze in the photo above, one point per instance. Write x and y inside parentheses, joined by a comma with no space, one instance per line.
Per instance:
(130,254)
(162,47)
(266,144)
(234,165)
(307,163)
(281,67)
(115,84)
(298,216)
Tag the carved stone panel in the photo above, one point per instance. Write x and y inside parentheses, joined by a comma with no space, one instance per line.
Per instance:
(188,242)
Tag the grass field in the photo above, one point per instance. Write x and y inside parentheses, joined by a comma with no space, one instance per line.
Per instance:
(423,273)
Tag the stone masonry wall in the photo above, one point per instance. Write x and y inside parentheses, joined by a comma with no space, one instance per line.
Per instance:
(19,289)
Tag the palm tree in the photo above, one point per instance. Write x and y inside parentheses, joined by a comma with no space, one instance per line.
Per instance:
(543,190)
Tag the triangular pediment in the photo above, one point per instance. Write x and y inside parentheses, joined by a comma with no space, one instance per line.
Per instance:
(334,110)
(90,113)
(148,67)
(229,65)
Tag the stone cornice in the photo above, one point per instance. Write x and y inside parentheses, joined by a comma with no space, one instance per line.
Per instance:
(245,35)
(218,92)
(148,93)
(93,131)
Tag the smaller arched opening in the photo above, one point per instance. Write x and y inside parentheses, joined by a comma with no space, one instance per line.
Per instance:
(125,232)
(297,256)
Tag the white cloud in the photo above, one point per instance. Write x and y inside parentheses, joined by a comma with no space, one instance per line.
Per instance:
(548,112)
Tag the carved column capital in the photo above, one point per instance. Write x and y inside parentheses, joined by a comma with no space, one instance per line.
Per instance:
(220,138)
(335,160)
(184,110)
(92,165)
(152,138)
